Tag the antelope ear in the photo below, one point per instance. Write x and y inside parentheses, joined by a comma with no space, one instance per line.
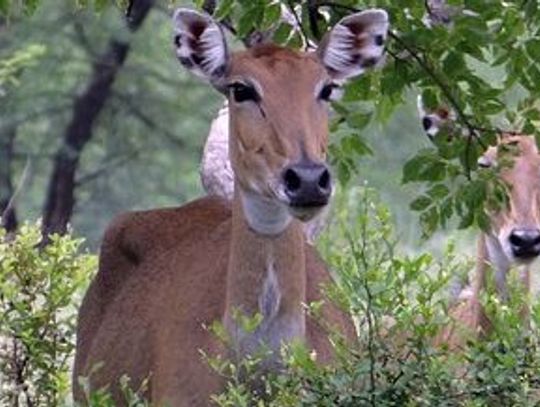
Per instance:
(432,122)
(200,45)
(355,44)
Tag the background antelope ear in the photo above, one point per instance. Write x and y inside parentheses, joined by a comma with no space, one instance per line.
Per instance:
(200,45)
(355,44)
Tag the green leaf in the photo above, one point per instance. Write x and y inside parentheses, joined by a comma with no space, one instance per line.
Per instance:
(272,15)
(225,7)
(251,18)
(425,166)
(438,191)
(4,7)
(420,203)
(358,120)
(282,33)
(533,48)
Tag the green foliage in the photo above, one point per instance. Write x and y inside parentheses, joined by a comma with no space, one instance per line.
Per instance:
(399,304)
(9,8)
(39,296)
(103,398)
(11,67)
(482,65)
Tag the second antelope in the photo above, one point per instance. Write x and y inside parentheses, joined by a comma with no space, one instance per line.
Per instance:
(164,274)
(513,236)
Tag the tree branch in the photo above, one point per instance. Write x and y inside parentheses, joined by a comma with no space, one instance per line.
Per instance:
(290,4)
(7,210)
(60,200)
(147,120)
(105,168)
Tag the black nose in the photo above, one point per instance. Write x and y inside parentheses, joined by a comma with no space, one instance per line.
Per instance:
(307,184)
(525,242)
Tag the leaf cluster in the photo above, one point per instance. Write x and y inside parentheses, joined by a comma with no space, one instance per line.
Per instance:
(39,293)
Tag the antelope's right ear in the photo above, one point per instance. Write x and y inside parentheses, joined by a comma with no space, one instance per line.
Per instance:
(356,43)
(200,45)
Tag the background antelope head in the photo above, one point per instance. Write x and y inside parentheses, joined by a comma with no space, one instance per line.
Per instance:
(278,101)
(516,230)
(513,236)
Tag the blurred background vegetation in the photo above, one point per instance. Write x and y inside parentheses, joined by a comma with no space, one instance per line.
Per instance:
(146,142)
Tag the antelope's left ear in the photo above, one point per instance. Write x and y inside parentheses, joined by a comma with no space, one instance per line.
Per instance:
(355,44)
(200,45)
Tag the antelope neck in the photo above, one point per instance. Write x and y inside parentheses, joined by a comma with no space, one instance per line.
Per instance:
(266,275)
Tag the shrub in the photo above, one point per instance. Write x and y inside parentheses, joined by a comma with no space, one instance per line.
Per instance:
(399,304)
(39,296)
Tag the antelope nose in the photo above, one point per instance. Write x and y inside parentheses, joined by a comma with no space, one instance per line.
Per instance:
(307,184)
(525,242)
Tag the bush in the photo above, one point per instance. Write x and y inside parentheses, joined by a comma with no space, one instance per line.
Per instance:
(399,304)
(39,296)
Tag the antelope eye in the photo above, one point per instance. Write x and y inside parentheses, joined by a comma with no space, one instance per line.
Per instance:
(242,92)
(330,91)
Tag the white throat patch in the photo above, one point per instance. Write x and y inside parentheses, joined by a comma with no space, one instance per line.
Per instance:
(270,298)
(264,215)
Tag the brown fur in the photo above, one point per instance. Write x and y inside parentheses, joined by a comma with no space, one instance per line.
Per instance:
(165,273)
(145,311)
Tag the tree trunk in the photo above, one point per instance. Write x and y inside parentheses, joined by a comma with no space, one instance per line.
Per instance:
(7,209)
(60,199)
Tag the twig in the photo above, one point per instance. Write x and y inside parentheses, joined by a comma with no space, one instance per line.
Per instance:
(18,189)
(105,168)
(423,63)
(147,120)
(209,6)
(290,4)
(361,254)
(313,15)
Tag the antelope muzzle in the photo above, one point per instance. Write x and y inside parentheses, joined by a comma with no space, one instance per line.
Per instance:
(308,187)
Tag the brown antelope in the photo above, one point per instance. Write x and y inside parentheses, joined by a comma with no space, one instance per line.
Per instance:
(513,237)
(166,273)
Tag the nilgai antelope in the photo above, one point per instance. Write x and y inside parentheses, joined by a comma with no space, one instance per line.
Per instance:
(166,273)
(513,237)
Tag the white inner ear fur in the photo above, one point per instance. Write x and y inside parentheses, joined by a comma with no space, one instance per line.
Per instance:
(200,44)
(485,161)
(355,44)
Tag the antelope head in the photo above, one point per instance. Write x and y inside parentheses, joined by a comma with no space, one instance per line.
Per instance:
(278,101)
(514,234)
(517,228)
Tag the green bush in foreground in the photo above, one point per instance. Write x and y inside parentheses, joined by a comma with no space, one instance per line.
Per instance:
(40,292)
(398,302)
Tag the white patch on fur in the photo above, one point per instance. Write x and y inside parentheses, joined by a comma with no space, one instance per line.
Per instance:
(211,47)
(340,55)
(500,260)
(265,216)
(216,172)
(484,161)
(270,298)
